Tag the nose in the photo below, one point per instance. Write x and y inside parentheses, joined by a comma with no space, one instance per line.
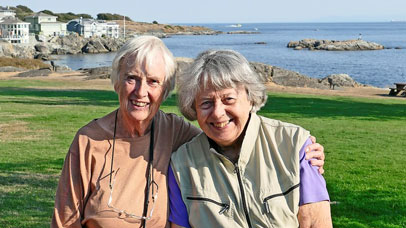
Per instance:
(141,89)
(219,109)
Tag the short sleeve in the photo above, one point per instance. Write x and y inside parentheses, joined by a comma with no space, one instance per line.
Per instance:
(177,208)
(312,184)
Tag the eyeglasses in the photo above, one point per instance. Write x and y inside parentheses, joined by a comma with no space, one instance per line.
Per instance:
(153,187)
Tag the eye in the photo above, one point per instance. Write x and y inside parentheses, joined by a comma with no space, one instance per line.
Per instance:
(130,79)
(205,104)
(229,100)
(153,82)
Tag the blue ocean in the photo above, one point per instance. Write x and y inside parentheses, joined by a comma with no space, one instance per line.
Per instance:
(380,68)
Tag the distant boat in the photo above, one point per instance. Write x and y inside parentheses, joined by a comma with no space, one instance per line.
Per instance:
(235,25)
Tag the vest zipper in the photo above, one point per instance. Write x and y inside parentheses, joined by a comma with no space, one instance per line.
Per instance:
(244,203)
(224,206)
(276,195)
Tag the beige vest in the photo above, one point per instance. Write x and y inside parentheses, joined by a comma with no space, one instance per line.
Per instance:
(262,188)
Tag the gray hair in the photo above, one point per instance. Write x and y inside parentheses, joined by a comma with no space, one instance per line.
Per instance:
(219,69)
(145,48)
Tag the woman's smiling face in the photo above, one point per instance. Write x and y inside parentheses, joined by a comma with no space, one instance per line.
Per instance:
(223,114)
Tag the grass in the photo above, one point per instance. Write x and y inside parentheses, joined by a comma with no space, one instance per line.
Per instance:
(22,63)
(364,141)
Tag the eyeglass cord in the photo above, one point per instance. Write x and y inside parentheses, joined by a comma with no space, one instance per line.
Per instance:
(150,176)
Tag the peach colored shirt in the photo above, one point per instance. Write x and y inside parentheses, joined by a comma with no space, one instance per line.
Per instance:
(83,190)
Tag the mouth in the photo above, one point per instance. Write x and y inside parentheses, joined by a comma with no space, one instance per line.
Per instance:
(221,124)
(139,103)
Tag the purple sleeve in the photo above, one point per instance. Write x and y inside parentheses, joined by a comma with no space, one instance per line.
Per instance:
(312,184)
(177,208)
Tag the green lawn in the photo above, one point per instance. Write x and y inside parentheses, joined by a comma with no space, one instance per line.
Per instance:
(364,140)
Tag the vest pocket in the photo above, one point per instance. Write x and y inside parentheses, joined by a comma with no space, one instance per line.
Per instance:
(223,206)
(280,208)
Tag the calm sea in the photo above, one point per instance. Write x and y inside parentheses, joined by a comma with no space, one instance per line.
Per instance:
(379,68)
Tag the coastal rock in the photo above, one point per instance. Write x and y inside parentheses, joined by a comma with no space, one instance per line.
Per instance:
(267,73)
(41,48)
(263,70)
(335,45)
(341,80)
(35,73)
(62,69)
(284,77)
(97,72)
(94,46)
(242,32)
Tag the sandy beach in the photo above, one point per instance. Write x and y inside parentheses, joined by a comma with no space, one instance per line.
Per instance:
(77,80)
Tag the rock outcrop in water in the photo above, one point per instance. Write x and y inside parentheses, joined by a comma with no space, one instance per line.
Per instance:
(334,45)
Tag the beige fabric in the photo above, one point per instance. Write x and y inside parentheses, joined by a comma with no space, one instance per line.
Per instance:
(268,164)
(83,191)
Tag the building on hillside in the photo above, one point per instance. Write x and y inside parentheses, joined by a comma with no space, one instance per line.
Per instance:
(14,30)
(6,12)
(90,28)
(44,24)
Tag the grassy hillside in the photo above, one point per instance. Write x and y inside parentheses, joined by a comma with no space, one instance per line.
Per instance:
(364,141)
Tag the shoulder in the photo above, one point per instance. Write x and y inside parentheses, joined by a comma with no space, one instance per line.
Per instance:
(192,150)
(169,119)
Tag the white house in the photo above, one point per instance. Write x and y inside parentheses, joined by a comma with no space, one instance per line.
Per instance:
(6,12)
(44,24)
(89,28)
(14,30)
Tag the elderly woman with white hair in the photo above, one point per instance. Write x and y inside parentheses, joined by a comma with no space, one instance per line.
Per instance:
(115,173)
(245,170)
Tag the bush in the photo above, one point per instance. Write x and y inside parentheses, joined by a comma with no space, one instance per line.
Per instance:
(155,22)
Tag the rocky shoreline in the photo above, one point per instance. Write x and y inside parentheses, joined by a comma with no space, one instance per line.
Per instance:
(270,74)
(334,45)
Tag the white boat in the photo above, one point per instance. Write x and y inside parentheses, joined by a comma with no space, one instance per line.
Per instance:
(235,25)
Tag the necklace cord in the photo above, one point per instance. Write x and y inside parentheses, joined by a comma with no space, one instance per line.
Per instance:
(150,176)
(112,152)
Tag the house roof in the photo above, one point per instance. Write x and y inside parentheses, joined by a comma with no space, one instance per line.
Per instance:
(41,14)
(12,20)
(7,9)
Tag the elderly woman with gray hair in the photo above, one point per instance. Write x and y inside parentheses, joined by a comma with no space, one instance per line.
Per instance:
(115,173)
(245,170)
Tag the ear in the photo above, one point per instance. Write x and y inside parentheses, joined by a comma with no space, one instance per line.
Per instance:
(116,87)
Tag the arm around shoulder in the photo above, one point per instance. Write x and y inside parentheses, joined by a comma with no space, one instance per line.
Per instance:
(315,215)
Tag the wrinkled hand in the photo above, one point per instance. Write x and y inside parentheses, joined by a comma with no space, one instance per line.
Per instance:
(316,151)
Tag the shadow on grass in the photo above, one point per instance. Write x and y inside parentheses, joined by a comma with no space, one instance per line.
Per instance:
(337,107)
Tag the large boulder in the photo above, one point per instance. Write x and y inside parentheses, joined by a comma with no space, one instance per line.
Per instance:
(42,48)
(263,70)
(341,80)
(94,46)
(35,73)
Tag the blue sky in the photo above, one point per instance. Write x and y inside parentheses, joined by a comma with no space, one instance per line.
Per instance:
(230,11)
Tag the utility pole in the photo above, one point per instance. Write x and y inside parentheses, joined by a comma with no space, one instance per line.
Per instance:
(124,27)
